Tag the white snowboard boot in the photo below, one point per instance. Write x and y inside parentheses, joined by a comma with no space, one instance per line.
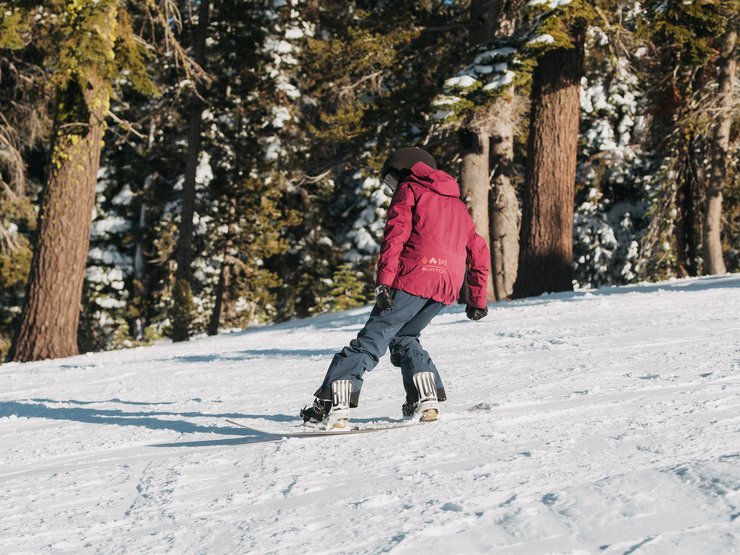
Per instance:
(427,408)
(338,417)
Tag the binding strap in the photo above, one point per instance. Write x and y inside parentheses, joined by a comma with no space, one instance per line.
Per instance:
(341,390)
(424,382)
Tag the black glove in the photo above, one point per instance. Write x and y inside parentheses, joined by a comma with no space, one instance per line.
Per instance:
(383,298)
(476,313)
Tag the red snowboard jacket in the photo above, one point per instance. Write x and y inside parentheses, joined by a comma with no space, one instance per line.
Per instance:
(430,241)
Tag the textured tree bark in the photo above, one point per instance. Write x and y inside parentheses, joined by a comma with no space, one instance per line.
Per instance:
(503,204)
(475,148)
(221,288)
(713,261)
(51,312)
(139,288)
(224,275)
(475,183)
(474,177)
(184,247)
(184,254)
(546,239)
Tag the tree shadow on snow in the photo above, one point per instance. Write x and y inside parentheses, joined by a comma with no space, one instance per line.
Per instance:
(37,409)
(252,354)
(325,322)
(147,419)
(680,285)
(114,400)
(248,437)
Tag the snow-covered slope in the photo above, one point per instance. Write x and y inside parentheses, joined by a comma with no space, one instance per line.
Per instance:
(601,422)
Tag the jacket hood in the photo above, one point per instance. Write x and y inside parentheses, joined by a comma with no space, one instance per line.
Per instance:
(437,180)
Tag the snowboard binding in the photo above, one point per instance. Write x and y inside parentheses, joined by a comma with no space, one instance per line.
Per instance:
(334,413)
(426,409)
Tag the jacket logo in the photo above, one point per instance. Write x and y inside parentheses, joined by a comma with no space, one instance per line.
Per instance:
(434,262)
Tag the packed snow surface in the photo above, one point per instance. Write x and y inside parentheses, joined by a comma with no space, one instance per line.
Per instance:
(590,422)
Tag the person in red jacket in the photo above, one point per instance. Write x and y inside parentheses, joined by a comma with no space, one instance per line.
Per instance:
(429,248)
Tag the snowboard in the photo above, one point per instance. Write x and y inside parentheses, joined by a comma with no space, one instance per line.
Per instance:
(316,432)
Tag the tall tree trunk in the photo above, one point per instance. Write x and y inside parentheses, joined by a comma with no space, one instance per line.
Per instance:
(503,204)
(474,177)
(184,248)
(475,184)
(51,312)
(224,276)
(546,241)
(221,288)
(713,261)
(140,288)
(687,224)
(475,147)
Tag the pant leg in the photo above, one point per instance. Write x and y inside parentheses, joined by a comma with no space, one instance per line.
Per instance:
(408,354)
(364,352)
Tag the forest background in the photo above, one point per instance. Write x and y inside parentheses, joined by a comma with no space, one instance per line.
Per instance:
(176,167)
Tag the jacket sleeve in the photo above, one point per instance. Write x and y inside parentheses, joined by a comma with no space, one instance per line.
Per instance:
(397,232)
(479,264)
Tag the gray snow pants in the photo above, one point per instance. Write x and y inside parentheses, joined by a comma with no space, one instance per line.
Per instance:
(398,328)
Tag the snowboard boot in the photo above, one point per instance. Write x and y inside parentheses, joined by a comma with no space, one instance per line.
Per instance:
(427,408)
(408,409)
(338,417)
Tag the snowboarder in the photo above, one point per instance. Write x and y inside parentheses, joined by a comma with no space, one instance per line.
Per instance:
(429,247)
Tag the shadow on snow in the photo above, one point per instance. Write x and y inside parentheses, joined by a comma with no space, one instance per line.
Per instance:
(252,354)
(145,419)
(731,281)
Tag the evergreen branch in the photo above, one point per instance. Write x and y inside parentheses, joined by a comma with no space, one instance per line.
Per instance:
(12,159)
(351,87)
(162,16)
(306,178)
(125,124)
(8,240)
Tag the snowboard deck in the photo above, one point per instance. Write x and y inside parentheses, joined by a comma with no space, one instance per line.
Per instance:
(316,432)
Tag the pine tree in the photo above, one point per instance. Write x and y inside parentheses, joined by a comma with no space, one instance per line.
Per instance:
(686,39)
(720,147)
(347,290)
(250,206)
(546,246)
(48,326)
(182,317)
(306,100)
(88,46)
(614,160)
(369,85)
(487,148)
(24,127)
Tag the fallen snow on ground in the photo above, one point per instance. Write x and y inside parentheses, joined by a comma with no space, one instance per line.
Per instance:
(590,422)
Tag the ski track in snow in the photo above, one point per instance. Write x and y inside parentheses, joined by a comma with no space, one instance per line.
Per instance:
(591,422)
